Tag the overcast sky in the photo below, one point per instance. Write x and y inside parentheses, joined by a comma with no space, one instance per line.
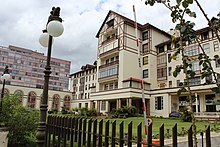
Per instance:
(21,22)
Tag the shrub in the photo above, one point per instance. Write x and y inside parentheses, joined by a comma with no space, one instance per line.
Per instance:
(129,110)
(21,121)
(64,110)
(185,115)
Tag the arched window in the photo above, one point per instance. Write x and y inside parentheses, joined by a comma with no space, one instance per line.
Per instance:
(56,101)
(31,99)
(19,94)
(67,102)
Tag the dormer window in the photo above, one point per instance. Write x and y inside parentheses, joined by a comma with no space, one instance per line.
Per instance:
(110,23)
(161,49)
(205,35)
(145,35)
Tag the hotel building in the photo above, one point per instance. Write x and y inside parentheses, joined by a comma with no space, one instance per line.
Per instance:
(118,73)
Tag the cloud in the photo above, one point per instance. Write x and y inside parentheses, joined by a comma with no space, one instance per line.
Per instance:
(22,22)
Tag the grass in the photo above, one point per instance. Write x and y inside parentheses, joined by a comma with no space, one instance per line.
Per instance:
(168,124)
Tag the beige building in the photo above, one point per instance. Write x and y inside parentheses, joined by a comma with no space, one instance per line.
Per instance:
(31,97)
(118,73)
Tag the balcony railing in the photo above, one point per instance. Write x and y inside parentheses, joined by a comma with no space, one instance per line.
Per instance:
(109,48)
(109,40)
(109,64)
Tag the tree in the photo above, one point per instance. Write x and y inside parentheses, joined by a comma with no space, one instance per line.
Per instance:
(179,11)
(21,122)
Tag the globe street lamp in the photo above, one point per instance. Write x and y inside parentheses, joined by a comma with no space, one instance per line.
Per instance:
(54,28)
(4,78)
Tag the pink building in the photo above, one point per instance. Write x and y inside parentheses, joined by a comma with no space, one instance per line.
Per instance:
(27,68)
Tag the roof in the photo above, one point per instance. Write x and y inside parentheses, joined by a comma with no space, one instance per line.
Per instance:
(135,80)
(131,23)
(83,69)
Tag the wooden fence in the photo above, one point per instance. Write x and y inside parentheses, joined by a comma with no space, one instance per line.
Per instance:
(77,132)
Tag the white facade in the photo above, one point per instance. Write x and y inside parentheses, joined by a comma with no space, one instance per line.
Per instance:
(118,73)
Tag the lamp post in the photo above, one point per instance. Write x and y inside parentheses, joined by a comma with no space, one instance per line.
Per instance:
(54,28)
(4,78)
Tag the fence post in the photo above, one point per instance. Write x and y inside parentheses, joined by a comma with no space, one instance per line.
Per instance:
(174,135)
(106,133)
(72,131)
(84,131)
(65,131)
(190,138)
(94,133)
(89,132)
(76,130)
(162,134)
(139,135)
(121,134)
(80,132)
(100,133)
(55,122)
(130,134)
(149,135)
(113,133)
(59,130)
(207,136)
(48,130)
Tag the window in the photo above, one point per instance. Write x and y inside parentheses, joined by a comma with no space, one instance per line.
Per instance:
(194,81)
(216,45)
(106,86)
(145,35)
(192,51)
(112,59)
(107,61)
(110,86)
(161,49)
(116,85)
(169,71)
(195,66)
(80,105)
(208,79)
(159,103)
(145,73)
(86,105)
(205,35)
(169,57)
(145,60)
(161,72)
(217,64)
(177,83)
(170,84)
(206,47)
(145,48)
(169,47)
(161,59)
(103,106)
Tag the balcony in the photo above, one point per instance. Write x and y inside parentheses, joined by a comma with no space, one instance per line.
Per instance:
(108,73)
(110,40)
(109,64)
(109,48)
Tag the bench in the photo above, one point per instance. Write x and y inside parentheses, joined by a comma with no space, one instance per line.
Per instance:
(123,115)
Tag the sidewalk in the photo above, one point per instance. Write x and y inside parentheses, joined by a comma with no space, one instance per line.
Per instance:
(4,139)
(183,141)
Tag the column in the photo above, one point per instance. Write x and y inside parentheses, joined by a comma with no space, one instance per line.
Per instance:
(118,103)
(98,106)
(196,103)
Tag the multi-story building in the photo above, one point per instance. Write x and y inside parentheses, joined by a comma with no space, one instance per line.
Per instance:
(118,72)
(81,84)
(27,68)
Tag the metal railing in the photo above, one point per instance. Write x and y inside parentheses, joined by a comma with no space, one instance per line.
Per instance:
(71,131)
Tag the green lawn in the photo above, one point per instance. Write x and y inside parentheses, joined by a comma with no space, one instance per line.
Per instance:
(168,123)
